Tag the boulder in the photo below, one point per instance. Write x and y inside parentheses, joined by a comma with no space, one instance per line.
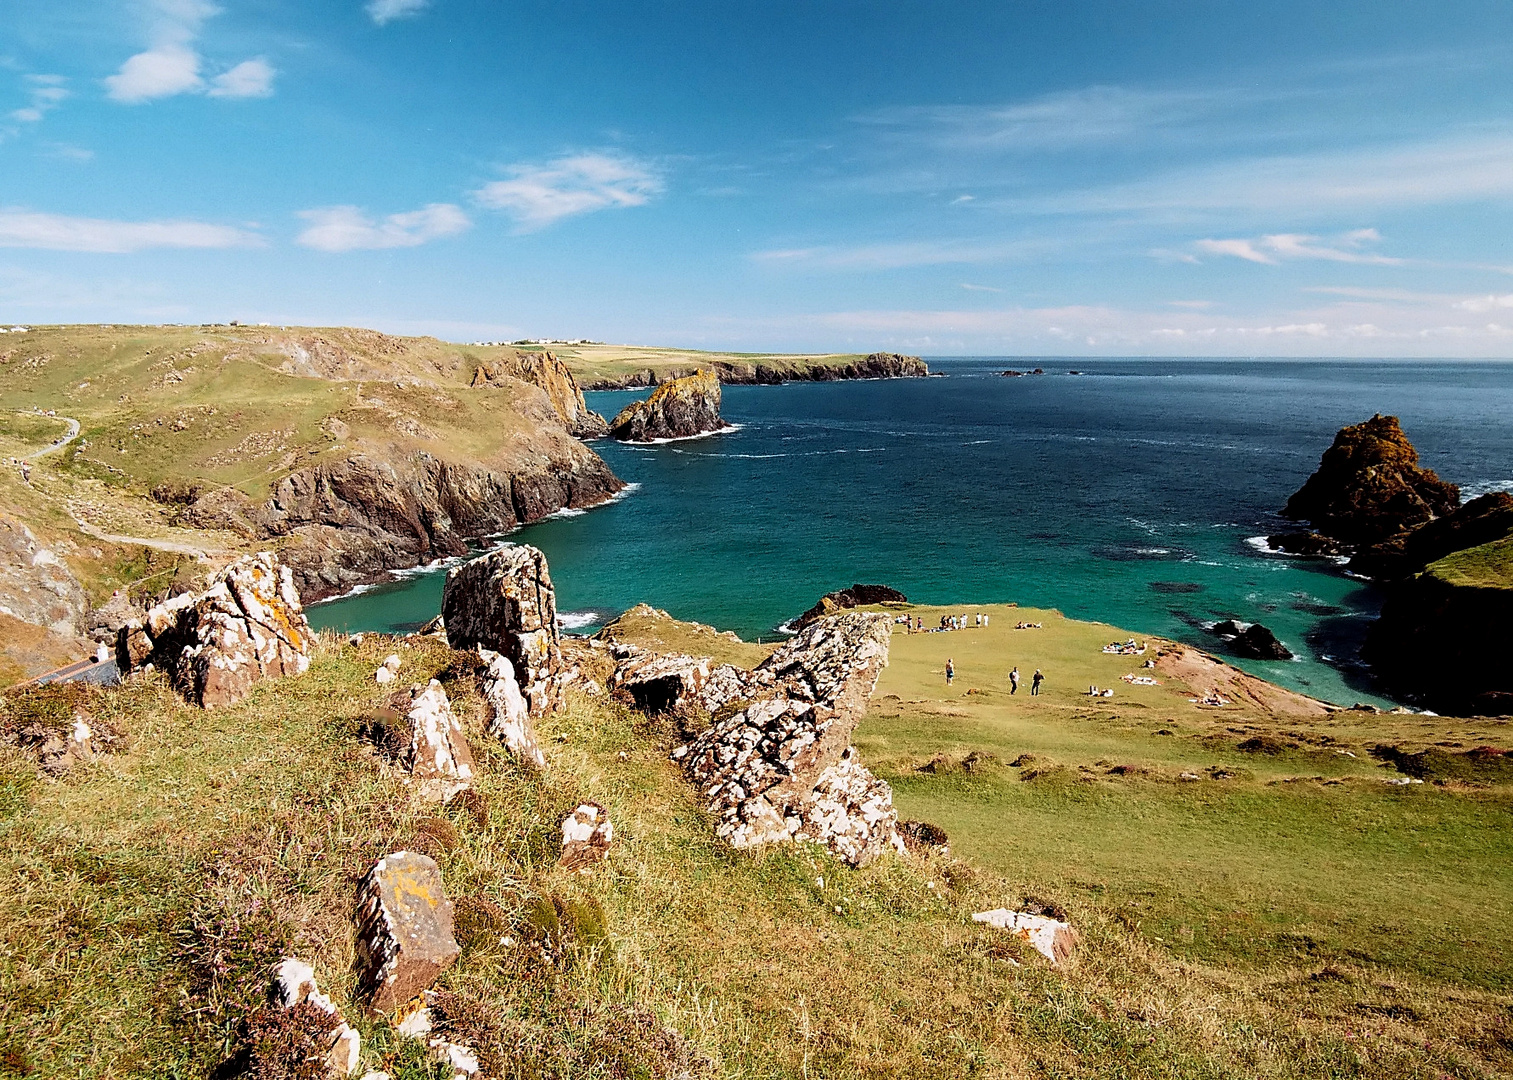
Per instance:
(509,717)
(438,755)
(1251,640)
(1052,938)
(586,836)
(404,930)
(781,766)
(1369,486)
(1306,544)
(104,623)
(504,602)
(679,409)
(669,682)
(857,595)
(216,645)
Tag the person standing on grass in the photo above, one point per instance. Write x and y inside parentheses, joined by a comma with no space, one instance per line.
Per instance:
(950,671)
(1035,683)
(1014,680)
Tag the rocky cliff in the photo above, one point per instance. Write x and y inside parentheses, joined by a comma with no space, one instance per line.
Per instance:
(774,372)
(552,376)
(857,595)
(351,521)
(1369,486)
(677,410)
(1480,521)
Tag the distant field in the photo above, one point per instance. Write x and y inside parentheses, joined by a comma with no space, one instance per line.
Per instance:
(592,364)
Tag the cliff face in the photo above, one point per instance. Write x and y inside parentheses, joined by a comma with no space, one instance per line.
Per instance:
(773,373)
(1480,521)
(677,410)
(1369,487)
(351,521)
(1446,635)
(552,376)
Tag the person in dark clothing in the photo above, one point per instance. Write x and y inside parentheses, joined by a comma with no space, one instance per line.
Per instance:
(1014,680)
(950,671)
(1035,683)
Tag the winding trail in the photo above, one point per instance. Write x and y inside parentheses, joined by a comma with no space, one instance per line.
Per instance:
(173,546)
(73,433)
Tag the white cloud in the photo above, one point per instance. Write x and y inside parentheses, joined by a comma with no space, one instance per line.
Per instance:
(58,232)
(979,288)
(45,93)
(384,12)
(906,253)
(1240,249)
(172,64)
(157,73)
(539,195)
(249,79)
(347,228)
(1486,303)
(1276,247)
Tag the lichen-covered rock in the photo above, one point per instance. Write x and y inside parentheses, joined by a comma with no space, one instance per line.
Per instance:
(586,836)
(679,409)
(1369,486)
(1052,938)
(552,376)
(660,682)
(216,645)
(339,1046)
(509,715)
(438,755)
(504,601)
(405,934)
(781,766)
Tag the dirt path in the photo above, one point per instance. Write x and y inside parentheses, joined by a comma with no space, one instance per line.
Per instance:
(175,547)
(73,433)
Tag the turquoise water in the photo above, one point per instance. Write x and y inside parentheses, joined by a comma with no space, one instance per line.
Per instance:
(1129,494)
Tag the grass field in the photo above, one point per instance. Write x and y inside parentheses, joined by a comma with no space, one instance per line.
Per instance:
(1489,566)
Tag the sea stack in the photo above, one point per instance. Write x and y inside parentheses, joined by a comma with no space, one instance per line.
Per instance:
(1369,487)
(679,409)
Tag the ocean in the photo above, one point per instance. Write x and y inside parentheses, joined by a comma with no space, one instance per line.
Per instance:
(1130,491)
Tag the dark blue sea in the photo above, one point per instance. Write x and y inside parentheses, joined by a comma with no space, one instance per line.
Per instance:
(1132,492)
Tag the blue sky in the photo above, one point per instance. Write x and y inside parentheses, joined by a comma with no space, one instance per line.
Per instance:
(1075,177)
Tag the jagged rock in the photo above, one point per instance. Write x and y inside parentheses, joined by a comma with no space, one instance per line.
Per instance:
(1304,543)
(294,984)
(857,595)
(510,716)
(404,929)
(1252,641)
(552,376)
(586,836)
(1369,487)
(438,755)
(246,627)
(1052,938)
(504,601)
(678,409)
(104,623)
(764,769)
(1481,521)
(35,585)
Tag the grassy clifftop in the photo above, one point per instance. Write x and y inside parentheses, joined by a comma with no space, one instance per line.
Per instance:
(1489,566)
(1287,914)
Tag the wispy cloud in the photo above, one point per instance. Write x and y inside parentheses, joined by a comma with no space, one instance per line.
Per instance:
(904,254)
(1278,247)
(979,288)
(1487,303)
(58,232)
(172,65)
(348,228)
(539,195)
(384,12)
(44,94)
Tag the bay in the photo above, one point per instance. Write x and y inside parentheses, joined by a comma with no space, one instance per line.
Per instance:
(1131,493)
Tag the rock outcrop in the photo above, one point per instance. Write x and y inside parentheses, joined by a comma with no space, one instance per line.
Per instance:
(1369,486)
(35,585)
(544,370)
(509,718)
(405,936)
(247,626)
(336,1045)
(857,595)
(587,834)
(438,755)
(1252,641)
(777,765)
(504,602)
(1052,938)
(1481,521)
(679,409)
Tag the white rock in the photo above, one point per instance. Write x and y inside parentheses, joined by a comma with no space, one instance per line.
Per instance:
(1052,938)
(384,676)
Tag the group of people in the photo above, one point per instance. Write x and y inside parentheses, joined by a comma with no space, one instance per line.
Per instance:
(1035,680)
(1128,648)
(947,622)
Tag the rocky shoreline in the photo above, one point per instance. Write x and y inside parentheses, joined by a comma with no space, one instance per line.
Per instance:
(732,373)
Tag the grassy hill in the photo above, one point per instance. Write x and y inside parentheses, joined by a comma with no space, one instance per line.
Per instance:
(1488,566)
(613,365)
(1288,914)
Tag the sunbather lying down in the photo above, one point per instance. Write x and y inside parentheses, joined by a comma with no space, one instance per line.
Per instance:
(1093,691)
(1030,626)
(1139,680)
(1213,697)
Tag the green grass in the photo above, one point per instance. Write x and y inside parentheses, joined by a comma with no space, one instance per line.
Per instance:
(147,893)
(1489,566)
